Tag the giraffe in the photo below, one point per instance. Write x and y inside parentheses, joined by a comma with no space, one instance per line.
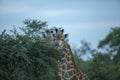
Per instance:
(67,65)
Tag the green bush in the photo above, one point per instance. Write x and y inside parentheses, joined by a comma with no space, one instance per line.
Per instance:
(27,57)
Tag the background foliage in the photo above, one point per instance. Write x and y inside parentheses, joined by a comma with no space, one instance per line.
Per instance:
(104,63)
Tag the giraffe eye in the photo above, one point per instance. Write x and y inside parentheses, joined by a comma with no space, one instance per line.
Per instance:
(62,39)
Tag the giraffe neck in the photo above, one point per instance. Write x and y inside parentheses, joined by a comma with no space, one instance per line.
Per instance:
(69,69)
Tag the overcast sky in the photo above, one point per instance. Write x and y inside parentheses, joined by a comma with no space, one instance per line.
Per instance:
(88,20)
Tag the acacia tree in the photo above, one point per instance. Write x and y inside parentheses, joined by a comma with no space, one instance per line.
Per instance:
(106,64)
(112,45)
(27,56)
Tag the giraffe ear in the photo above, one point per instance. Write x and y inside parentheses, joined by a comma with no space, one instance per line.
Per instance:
(53,35)
(43,34)
(66,35)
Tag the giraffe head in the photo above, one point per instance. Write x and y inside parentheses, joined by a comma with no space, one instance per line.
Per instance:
(58,36)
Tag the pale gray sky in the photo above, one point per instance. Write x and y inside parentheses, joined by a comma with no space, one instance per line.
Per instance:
(88,20)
